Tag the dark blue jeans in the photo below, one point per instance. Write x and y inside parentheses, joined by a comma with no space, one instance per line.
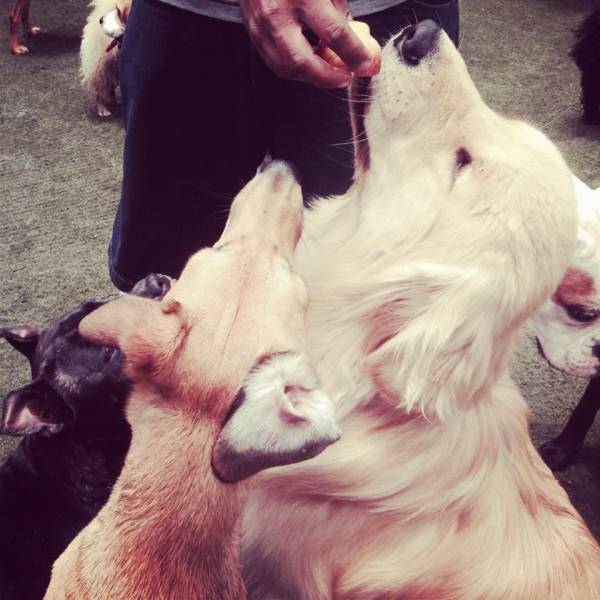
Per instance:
(201,109)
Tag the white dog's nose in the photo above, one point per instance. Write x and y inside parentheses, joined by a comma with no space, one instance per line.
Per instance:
(416,42)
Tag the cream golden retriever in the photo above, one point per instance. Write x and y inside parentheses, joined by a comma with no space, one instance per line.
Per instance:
(458,227)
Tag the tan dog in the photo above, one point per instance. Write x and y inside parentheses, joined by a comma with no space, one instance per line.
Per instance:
(459,226)
(19,15)
(231,326)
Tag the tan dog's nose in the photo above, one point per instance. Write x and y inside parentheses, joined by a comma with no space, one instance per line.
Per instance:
(268,209)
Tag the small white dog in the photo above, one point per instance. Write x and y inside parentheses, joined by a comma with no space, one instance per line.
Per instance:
(568,324)
(100,48)
(458,227)
(568,329)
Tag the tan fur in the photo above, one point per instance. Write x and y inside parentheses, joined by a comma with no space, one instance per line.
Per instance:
(419,280)
(577,287)
(169,528)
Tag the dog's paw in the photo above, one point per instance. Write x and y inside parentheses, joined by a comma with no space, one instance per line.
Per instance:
(558,456)
(103,111)
(33,31)
(19,49)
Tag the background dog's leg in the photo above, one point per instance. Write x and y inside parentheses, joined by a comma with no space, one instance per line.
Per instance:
(560,452)
(27,27)
(19,14)
(590,98)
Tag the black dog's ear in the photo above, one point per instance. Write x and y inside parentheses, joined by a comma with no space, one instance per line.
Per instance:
(34,408)
(21,337)
(154,286)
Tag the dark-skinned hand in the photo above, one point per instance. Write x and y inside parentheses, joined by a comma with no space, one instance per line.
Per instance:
(276,30)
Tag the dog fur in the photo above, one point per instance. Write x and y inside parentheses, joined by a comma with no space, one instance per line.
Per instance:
(456,230)
(76,437)
(99,56)
(169,528)
(586,54)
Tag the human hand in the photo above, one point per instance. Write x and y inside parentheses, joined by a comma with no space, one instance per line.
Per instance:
(275,28)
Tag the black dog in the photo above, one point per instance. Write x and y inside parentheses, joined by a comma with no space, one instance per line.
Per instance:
(560,452)
(76,439)
(586,54)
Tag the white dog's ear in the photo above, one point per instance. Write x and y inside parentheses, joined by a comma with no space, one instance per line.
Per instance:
(281,416)
(434,346)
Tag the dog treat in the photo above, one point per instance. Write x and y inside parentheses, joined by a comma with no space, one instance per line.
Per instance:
(363,31)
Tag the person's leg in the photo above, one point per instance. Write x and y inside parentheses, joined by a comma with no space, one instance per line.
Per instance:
(311,126)
(191,141)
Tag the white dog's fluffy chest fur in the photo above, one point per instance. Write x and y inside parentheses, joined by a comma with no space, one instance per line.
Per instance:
(419,279)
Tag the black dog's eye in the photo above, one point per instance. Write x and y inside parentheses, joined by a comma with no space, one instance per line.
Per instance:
(463,158)
(582,314)
(108,353)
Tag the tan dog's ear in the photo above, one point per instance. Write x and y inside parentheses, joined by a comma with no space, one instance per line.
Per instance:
(281,417)
(109,324)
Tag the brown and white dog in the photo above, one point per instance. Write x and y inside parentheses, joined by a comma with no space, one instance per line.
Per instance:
(458,227)
(19,15)
(100,49)
(568,328)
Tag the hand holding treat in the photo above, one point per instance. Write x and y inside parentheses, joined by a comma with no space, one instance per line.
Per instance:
(363,32)
(276,28)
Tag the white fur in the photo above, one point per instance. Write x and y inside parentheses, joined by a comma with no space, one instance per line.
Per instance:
(419,279)
(568,344)
(284,411)
(112,25)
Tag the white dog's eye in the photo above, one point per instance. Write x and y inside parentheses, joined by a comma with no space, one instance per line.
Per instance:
(463,158)
(582,314)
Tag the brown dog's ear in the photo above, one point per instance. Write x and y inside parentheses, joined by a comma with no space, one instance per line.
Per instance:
(21,337)
(281,416)
(111,323)
(34,408)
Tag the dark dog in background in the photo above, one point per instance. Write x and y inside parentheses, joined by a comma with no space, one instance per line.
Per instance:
(586,54)
(19,15)
(562,451)
(76,439)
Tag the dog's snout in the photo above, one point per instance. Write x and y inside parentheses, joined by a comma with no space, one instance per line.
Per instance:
(269,163)
(416,42)
(101,20)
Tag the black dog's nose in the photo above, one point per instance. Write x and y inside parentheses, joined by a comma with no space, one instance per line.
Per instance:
(101,20)
(416,42)
(596,350)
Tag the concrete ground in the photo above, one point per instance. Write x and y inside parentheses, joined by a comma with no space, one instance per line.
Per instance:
(60,169)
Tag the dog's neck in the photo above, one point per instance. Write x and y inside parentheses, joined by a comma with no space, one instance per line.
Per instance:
(184,542)
(81,463)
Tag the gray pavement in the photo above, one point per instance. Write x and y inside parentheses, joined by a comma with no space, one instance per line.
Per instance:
(60,169)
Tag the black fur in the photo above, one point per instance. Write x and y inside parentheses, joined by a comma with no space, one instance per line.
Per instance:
(560,452)
(586,54)
(76,439)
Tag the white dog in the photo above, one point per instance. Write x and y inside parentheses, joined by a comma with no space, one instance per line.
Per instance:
(458,227)
(99,54)
(568,324)
(568,329)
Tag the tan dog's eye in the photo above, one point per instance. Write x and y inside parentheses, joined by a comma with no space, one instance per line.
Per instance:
(582,314)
